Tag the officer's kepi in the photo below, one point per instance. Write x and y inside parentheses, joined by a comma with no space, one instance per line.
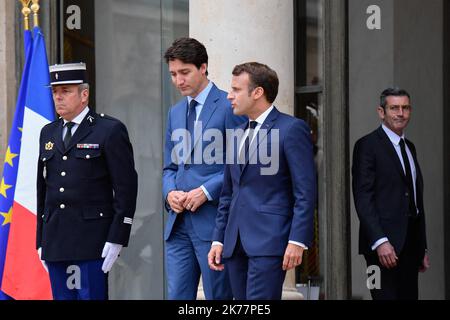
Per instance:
(69,73)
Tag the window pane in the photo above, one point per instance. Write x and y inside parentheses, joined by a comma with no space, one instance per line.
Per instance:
(308,42)
(307,108)
(123,42)
(79,38)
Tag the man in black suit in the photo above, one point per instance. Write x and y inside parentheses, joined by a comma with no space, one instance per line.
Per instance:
(388,194)
(86,190)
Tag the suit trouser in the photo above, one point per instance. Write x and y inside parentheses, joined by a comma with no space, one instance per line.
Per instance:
(255,278)
(401,282)
(186,260)
(78,280)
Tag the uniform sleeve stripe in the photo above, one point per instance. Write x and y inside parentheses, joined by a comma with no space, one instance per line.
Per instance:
(128,220)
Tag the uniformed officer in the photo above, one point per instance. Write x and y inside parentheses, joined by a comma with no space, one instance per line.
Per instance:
(86,190)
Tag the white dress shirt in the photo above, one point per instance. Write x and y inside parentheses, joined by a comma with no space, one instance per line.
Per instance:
(259,122)
(77,121)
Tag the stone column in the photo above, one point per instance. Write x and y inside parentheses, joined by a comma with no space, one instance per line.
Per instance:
(236,31)
(7,72)
(334,191)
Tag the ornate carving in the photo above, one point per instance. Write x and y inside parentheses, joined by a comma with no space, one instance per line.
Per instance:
(35,8)
(26,12)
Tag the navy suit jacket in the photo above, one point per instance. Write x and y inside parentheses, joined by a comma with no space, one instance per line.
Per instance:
(181,175)
(269,210)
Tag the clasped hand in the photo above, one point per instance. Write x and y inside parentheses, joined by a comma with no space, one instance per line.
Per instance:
(192,200)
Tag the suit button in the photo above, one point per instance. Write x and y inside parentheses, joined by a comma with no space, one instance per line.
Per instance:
(406,194)
(88,156)
(45,159)
(62,206)
(63,174)
(61,190)
(42,216)
(101,214)
(65,158)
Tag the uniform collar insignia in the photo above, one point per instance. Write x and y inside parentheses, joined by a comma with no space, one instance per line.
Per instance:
(49,146)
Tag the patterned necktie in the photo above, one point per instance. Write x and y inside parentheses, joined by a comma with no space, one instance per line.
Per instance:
(68,136)
(409,179)
(244,156)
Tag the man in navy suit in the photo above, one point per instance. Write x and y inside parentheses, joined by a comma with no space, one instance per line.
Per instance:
(265,217)
(191,183)
(388,193)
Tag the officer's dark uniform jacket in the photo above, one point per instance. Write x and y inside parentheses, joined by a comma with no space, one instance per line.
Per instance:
(86,195)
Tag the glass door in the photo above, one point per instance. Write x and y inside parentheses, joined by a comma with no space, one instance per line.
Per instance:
(122,42)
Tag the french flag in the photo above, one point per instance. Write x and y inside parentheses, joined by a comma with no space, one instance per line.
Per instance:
(11,164)
(25,276)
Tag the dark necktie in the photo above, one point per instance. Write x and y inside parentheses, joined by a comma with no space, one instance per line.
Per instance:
(244,156)
(192,116)
(68,136)
(409,179)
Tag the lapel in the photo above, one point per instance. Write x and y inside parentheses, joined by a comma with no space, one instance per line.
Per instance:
(179,118)
(419,180)
(416,164)
(390,150)
(83,129)
(262,134)
(179,121)
(57,136)
(235,164)
(208,110)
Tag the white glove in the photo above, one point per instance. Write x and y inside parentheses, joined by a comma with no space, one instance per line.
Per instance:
(39,251)
(110,253)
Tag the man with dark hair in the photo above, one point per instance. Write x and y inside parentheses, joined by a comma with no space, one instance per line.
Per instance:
(388,195)
(86,190)
(265,219)
(191,188)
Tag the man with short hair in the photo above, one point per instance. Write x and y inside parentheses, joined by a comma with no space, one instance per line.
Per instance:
(388,195)
(265,218)
(86,190)
(191,185)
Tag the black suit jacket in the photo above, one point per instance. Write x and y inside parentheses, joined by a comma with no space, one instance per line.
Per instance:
(381,193)
(86,195)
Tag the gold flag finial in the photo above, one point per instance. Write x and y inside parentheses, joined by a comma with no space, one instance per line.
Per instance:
(35,8)
(26,12)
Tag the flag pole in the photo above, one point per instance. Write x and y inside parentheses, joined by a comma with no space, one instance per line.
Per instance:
(26,12)
(35,8)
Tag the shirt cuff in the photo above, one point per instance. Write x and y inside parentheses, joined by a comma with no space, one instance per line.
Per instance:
(206,193)
(298,244)
(379,242)
(217,243)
